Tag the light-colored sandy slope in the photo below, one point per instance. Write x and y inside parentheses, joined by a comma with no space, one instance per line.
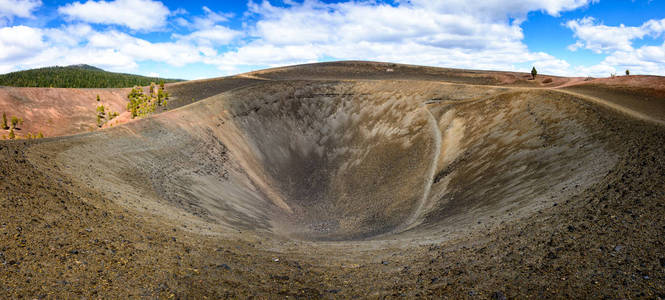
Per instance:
(344,160)
(638,112)
(350,70)
(344,188)
(57,112)
(347,160)
(641,96)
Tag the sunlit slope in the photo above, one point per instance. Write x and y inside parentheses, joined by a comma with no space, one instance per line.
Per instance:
(348,160)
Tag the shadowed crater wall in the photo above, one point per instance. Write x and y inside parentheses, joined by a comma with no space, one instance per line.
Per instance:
(331,160)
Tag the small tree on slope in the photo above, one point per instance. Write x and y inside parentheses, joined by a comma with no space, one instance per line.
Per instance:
(534,73)
(4,121)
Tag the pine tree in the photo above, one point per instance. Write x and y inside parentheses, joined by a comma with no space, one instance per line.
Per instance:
(73,77)
(627,72)
(101,110)
(98,98)
(14,122)
(534,73)
(4,121)
(11,134)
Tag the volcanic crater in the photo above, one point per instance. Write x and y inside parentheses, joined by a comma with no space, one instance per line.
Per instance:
(365,169)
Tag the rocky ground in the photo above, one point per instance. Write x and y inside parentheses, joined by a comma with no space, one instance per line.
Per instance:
(63,238)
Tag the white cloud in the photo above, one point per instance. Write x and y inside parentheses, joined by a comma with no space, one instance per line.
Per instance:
(617,42)
(479,34)
(482,34)
(19,42)
(210,19)
(9,9)
(143,15)
(601,38)
(643,60)
(70,35)
(207,32)
(215,35)
(500,9)
(129,48)
(112,49)
(455,33)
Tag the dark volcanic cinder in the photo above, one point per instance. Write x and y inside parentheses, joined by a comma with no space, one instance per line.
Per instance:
(342,180)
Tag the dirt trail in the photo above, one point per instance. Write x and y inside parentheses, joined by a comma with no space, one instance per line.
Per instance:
(615,106)
(417,188)
(417,212)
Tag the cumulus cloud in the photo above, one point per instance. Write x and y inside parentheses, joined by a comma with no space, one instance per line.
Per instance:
(601,38)
(454,33)
(19,42)
(207,31)
(215,35)
(643,60)
(113,50)
(617,42)
(142,15)
(498,10)
(17,8)
(480,34)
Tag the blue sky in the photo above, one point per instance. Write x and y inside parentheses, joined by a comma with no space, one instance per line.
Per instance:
(202,39)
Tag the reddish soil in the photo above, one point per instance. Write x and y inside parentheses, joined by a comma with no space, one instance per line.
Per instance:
(57,112)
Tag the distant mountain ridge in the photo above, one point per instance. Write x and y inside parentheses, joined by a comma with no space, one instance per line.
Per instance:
(85,67)
(76,76)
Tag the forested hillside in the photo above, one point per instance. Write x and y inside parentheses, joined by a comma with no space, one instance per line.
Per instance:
(76,76)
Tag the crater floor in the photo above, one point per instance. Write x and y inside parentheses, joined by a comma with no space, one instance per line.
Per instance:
(330,187)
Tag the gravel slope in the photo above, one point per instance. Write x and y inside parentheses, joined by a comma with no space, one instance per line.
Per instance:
(329,188)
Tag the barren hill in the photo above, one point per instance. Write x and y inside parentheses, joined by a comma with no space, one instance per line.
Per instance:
(350,179)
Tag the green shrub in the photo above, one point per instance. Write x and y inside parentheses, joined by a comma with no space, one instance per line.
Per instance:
(4,121)
(11,134)
(101,110)
(141,105)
